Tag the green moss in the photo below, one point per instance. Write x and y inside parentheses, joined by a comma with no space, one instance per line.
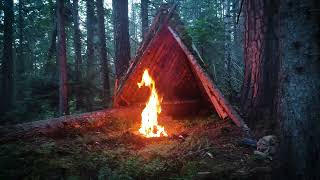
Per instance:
(116,155)
(189,170)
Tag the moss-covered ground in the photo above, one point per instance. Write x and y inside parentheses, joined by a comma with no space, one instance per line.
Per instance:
(198,148)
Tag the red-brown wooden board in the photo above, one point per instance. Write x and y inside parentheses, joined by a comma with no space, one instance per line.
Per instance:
(168,66)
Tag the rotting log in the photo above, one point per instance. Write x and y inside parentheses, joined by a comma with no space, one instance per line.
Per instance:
(52,127)
(222,106)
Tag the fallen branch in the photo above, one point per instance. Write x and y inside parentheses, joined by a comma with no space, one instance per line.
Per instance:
(63,124)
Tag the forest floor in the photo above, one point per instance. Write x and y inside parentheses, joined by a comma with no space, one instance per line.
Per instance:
(198,148)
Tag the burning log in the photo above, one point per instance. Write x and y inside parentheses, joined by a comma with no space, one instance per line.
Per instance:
(149,115)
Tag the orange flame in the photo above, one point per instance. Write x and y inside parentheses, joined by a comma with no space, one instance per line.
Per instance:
(149,124)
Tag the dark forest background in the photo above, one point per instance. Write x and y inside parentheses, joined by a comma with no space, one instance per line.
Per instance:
(91,51)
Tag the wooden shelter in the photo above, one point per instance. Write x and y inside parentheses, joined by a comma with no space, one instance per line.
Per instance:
(179,72)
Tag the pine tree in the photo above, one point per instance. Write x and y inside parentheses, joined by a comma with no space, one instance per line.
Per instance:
(144,17)
(121,36)
(62,59)
(261,54)
(7,59)
(299,97)
(78,57)
(103,53)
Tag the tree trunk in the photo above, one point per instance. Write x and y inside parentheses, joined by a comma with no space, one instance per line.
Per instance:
(62,59)
(52,48)
(7,59)
(20,54)
(90,35)
(121,36)
(90,51)
(144,17)
(103,53)
(236,27)
(133,29)
(261,54)
(78,57)
(227,47)
(299,96)
(50,67)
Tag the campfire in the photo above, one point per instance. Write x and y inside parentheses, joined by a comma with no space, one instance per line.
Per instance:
(149,116)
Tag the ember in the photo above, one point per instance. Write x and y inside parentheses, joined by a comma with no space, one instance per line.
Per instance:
(149,124)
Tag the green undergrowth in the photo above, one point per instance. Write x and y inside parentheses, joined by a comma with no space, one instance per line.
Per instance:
(118,154)
(77,160)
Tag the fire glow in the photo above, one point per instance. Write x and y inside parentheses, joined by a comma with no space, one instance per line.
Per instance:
(149,123)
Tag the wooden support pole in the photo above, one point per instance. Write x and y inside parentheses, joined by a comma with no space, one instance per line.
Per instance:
(222,106)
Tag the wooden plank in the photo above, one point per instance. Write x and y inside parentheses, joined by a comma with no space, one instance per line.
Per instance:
(167,65)
(145,45)
(220,103)
(160,20)
(175,102)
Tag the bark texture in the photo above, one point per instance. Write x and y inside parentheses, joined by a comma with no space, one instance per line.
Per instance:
(144,17)
(299,97)
(53,45)
(261,56)
(90,51)
(62,59)
(50,65)
(103,53)
(20,53)
(90,36)
(227,45)
(121,36)
(77,49)
(7,59)
(66,124)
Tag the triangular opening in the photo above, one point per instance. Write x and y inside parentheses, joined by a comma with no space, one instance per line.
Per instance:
(168,65)
(181,81)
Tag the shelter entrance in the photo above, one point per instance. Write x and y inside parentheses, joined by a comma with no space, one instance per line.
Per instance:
(180,76)
(176,82)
